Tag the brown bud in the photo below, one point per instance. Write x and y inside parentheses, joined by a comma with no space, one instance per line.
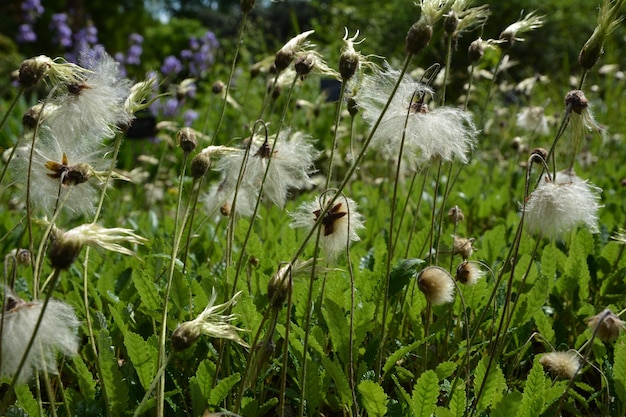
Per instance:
(186,138)
(247,5)
(418,37)
(32,71)
(304,64)
(451,23)
(541,152)
(353,107)
(577,101)
(475,51)
(63,252)
(200,165)
(348,64)
(217,87)
(455,214)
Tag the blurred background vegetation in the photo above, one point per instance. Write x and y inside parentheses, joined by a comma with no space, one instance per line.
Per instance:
(167,24)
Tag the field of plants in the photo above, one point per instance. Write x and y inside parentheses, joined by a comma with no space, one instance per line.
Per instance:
(320,229)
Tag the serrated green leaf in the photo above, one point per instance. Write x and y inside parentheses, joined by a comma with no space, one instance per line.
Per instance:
(458,400)
(445,369)
(117,390)
(494,384)
(222,389)
(338,327)
(26,400)
(373,398)
(532,398)
(86,383)
(400,353)
(402,273)
(200,385)
(148,293)
(339,378)
(425,394)
(619,372)
(443,412)
(143,356)
(544,326)
(508,405)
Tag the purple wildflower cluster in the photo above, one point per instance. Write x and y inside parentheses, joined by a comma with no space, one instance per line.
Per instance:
(196,59)
(31,10)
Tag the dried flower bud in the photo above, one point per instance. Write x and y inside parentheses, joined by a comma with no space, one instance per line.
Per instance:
(608,21)
(541,152)
(577,101)
(184,336)
(451,23)
(200,165)
(606,325)
(353,107)
(475,51)
(33,70)
(247,5)
(286,54)
(36,114)
(468,273)
(463,247)
(218,87)
(225,209)
(436,284)
(63,252)
(279,286)
(561,364)
(186,138)
(455,214)
(304,64)
(348,64)
(418,37)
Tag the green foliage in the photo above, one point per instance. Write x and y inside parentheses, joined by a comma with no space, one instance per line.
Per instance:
(373,398)
(425,393)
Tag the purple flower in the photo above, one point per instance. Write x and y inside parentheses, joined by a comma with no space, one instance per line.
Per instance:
(189,117)
(135,39)
(134,54)
(25,34)
(63,33)
(171,65)
(32,10)
(170,107)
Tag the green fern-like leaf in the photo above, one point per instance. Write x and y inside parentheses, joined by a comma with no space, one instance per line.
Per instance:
(143,356)
(117,390)
(425,393)
(494,384)
(373,398)
(200,385)
(445,369)
(400,353)
(337,328)
(619,372)
(223,388)
(458,401)
(26,400)
(148,293)
(532,398)
(86,383)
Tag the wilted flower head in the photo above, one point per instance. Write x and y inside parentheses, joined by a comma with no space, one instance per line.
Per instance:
(463,18)
(286,54)
(211,322)
(445,132)
(525,24)
(582,118)
(57,333)
(66,246)
(556,207)
(138,98)
(339,225)
(620,236)
(606,325)
(532,119)
(311,63)
(420,33)
(608,20)
(280,284)
(455,214)
(469,273)
(477,48)
(37,68)
(561,364)
(437,285)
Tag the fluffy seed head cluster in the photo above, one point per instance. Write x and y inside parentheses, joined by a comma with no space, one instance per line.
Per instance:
(561,364)
(69,150)
(469,273)
(437,285)
(57,333)
(211,322)
(446,133)
(339,225)
(556,207)
(66,246)
(606,325)
(290,166)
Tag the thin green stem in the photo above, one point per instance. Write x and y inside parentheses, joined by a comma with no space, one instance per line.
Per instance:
(329,175)
(4,119)
(178,230)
